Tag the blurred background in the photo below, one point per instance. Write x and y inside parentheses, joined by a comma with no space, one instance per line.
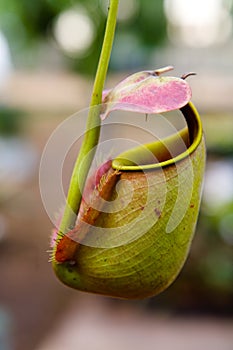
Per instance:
(49,51)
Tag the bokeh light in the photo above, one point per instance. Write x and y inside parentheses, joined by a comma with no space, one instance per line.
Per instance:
(74,31)
(127,9)
(5,60)
(218,190)
(198,23)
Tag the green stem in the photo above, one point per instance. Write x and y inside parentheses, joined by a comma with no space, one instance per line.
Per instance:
(92,133)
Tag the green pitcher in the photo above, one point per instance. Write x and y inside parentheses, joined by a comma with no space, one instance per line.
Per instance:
(134,235)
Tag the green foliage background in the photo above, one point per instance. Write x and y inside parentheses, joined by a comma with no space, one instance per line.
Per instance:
(26,23)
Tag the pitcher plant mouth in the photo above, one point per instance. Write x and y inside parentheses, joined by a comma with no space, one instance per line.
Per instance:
(190,136)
